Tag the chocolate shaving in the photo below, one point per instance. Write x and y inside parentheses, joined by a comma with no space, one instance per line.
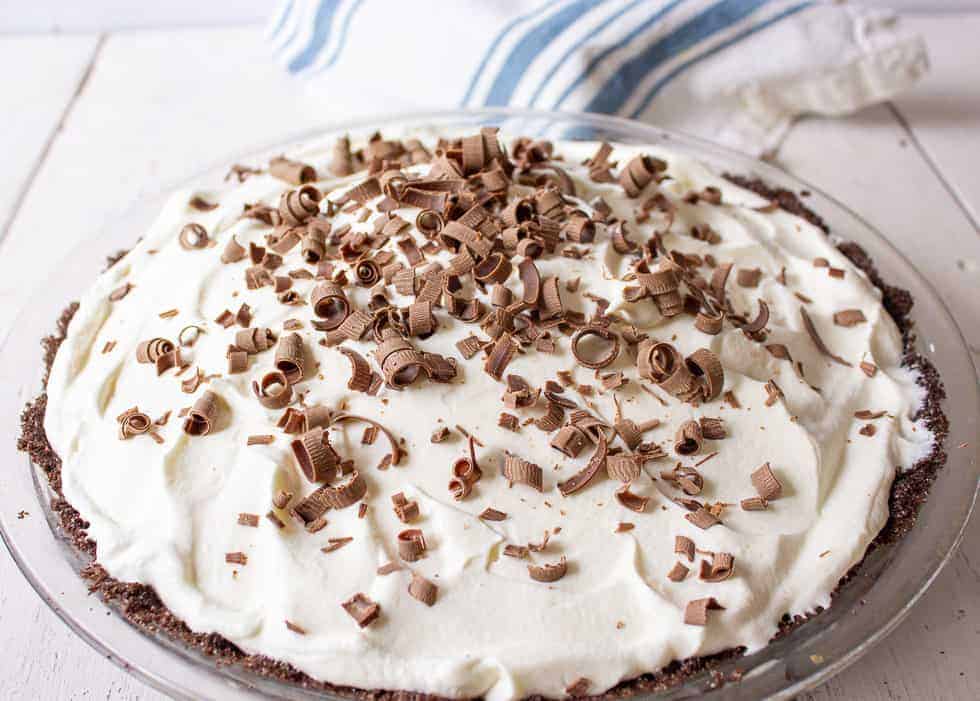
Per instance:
(200,418)
(631,501)
(411,544)
(639,172)
(120,292)
(151,351)
(760,321)
(817,341)
(362,609)
(503,351)
(335,544)
(748,277)
(518,470)
(868,430)
(702,518)
(520,552)
(550,572)
(684,546)
(388,568)
(696,612)
(678,573)
(236,558)
(868,415)
(869,369)
(361,373)
(422,589)
(133,422)
(466,473)
(328,497)
(260,440)
(299,205)
(406,511)
(849,317)
(754,504)
(709,323)
(281,499)
(584,476)
(624,468)
(491,514)
(275,520)
(250,520)
(766,484)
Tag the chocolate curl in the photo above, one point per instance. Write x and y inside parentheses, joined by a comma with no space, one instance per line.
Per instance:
(400,363)
(663,285)
(342,163)
(817,340)
(721,567)
(520,471)
(579,229)
(550,306)
(531,279)
(354,326)
(237,362)
(624,468)
(709,322)
(200,418)
(273,390)
(766,484)
(551,572)
(423,590)
(688,439)
(255,340)
(327,497)
(638,173)
(494,269)
(367,272)
(330,304)
(706,366)
(687,479)
(133,422)
(362,609)
(315,456)
(151,351)
(662,363)
(361,377)
(466,473)
(313,245)
(365,191)
(603,360)
(633,502)
(290,358)
(571,440)
(193,236)
(760,321)
(501,297)
(167,361)
(233,252)
(584,476)
(297,206)
(519,393)
(429,222)
(292,172)
(421,321)
(718,279)
(411,545)
(517,212)
(396,452)
(503,351)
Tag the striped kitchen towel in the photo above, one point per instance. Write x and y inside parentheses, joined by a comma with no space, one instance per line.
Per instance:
(735,71)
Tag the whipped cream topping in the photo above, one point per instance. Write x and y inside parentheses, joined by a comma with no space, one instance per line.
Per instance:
(166,514)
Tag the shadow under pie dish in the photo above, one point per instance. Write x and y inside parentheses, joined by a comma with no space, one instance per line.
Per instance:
(685,502)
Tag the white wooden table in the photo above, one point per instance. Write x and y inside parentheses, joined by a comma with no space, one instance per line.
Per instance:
(90,122)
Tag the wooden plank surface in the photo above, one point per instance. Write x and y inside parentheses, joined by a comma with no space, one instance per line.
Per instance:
(148,114)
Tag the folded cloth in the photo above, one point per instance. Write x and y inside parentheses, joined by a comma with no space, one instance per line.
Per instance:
(735,71)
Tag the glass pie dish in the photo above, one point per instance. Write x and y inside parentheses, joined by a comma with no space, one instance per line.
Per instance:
(868,607)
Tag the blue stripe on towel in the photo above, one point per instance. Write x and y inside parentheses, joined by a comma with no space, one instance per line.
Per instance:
(618,89)
(493,47)
(602,55)
(344,31)
(577,46)
(321,34)
(662,83)
(281,20)
(532,44)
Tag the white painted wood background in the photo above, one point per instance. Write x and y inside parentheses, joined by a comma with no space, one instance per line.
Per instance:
(92,121)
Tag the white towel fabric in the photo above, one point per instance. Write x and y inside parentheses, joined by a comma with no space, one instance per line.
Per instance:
(734,71)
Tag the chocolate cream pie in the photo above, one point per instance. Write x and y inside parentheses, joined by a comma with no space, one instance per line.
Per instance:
(437,415)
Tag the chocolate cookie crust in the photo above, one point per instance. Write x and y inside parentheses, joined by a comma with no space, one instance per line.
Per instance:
(140,605)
